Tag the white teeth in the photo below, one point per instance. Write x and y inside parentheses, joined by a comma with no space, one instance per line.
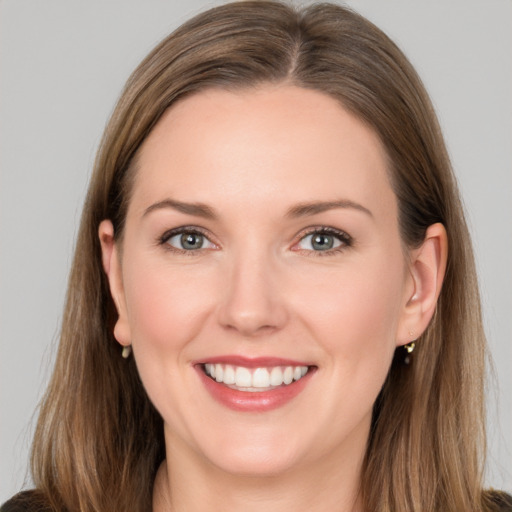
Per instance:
(243,377)
(257,379)
(260,378)
(219,373)
(276,376)
(229,375)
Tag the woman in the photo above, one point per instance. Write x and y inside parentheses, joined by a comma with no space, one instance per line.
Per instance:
(274,236)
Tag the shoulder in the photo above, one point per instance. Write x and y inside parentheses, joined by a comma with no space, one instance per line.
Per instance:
(26,501)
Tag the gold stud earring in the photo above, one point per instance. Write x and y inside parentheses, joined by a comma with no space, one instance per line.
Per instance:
(125,353)
(409,349)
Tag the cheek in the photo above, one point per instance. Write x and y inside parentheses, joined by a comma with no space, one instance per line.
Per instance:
(355,311)
(354,316)
(165,305)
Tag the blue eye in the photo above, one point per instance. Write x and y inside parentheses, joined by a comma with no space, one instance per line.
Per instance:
(323,241)
(188,241)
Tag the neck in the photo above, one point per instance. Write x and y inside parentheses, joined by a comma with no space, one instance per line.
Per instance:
(198,486)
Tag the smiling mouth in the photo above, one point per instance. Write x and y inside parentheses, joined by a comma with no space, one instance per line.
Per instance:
(255,380)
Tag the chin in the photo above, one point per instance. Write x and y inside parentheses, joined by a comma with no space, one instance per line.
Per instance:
(262,453)
(256,462)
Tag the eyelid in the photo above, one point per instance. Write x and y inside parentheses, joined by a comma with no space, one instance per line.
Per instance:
(345,239)
(170,233)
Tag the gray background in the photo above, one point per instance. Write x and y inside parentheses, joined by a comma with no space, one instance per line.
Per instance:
(62,66)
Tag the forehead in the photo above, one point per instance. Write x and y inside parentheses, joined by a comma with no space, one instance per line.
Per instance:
(254,144)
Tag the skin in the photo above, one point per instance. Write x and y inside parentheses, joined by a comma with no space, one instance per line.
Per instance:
(258,287)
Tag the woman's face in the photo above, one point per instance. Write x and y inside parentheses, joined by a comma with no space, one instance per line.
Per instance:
(262,247)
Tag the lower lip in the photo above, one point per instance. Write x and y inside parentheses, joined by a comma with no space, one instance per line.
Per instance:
(258,401)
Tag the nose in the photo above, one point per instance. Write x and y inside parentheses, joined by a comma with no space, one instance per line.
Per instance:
(253,300)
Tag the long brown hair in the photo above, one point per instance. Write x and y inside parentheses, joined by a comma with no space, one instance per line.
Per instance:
(99,440)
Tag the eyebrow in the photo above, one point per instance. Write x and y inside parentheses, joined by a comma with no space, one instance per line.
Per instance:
(300,210)
(306,209)
(196,209)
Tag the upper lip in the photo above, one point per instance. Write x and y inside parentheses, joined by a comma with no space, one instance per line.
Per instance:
(251,362)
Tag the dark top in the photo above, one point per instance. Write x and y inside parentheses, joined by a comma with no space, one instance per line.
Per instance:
(32,501)
(26,501)
(502,500)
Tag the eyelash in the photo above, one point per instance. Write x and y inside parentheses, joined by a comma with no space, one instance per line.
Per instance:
(345,239)
(192,230)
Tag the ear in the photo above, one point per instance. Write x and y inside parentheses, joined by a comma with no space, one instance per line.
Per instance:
(427,267)
(112,267)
